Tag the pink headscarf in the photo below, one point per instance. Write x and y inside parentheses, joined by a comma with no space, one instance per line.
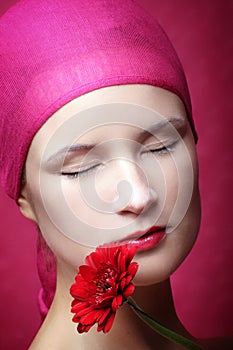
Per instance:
(52,51)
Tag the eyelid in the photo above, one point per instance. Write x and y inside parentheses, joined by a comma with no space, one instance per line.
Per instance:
(162,143)
(161,148)
(80,165)
(83,170)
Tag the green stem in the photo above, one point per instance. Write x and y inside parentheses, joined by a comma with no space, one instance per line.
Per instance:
(159,328)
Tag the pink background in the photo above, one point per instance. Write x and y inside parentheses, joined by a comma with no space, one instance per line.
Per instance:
(201,31)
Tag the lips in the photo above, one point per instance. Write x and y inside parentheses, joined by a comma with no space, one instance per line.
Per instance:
(145,240)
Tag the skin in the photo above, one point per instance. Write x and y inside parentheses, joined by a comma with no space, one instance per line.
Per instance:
(156,182)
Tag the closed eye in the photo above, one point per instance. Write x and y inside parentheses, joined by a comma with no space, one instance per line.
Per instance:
(80,173)
(163,150)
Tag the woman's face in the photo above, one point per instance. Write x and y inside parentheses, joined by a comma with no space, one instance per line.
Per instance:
(117,165)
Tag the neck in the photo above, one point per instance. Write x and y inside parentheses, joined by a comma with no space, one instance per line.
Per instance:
(127,331)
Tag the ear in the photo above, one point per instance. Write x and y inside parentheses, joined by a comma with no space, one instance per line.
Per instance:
(25,204)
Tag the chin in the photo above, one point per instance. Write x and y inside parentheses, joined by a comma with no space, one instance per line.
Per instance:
(157,265)
(147,276)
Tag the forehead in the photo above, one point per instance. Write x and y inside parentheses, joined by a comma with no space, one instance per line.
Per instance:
(102,111)
(158,99)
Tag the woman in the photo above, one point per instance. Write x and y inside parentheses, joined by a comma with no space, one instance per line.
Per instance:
(98,126)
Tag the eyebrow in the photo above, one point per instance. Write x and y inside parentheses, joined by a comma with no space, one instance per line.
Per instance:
(71,149)
(176,122)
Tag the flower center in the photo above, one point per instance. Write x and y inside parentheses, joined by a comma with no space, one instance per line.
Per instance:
(105,282)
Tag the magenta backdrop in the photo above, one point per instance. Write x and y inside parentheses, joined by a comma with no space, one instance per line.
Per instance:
(201,31)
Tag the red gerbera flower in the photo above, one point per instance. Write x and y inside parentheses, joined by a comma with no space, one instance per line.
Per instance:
(102,285)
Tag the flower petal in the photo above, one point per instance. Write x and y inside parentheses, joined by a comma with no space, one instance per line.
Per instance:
(101,286)
(91,317)
(129,290)
(104,315)
(109,323)
(76,307)
(132,269)
(87,272)
(131,251)
(94,260)
(83,328)
(117,302)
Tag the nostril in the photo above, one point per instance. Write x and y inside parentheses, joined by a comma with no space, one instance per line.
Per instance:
(132,190)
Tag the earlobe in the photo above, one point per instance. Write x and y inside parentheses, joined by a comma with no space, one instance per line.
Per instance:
(25,205)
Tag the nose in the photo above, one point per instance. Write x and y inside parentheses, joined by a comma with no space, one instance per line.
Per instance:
(134,194)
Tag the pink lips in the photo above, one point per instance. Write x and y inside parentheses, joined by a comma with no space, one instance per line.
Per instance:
(149,239)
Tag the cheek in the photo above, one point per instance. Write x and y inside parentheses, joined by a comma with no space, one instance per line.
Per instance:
(65,250)
(164,178)
(89,204)
(172,183)
(49,214)
(182,184)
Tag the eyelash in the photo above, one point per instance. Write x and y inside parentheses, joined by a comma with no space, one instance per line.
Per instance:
(163,150)
(160,151)
(81,173)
